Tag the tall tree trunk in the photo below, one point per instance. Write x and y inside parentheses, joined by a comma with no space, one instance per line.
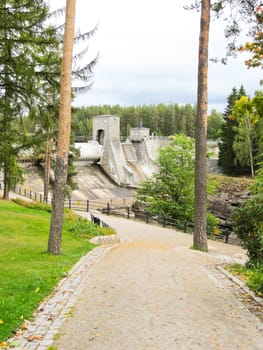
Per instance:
(47,168)
(250,147)
(6,182)
(55,234)
(200,234)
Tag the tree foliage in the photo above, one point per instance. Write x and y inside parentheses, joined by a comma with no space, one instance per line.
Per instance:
(257,186)
(247,223)
(241,145)
(255,47)
(170,192)
(161,119)
(227,158)
(22,38)
(247,118)
(214,125)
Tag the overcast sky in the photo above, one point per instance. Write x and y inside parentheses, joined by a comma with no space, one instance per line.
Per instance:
(148,54)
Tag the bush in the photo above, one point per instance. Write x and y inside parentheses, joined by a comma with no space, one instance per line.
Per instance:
(107,231)
(81,227)
(255,281)
(212,223)
(251,275)
(248,226)
(74,223)
(33,205)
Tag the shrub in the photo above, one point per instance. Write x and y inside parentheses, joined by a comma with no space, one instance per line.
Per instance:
(255,281)
(252,276)
(212,223)
(107,231)
(33,205)
(248,225)
(81,227)
(74,223)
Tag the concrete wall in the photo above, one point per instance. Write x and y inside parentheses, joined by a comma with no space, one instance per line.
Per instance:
(106,127)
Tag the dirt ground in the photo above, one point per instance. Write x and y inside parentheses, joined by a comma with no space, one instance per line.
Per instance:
(152,292)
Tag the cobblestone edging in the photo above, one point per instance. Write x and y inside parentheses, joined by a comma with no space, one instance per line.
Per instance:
(49,316)
(226,280)
(110,239)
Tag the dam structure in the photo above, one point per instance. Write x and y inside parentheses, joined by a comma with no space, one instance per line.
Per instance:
(111,168)
(107,167)
(126,163)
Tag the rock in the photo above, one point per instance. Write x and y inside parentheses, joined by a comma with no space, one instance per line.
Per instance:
(110,239)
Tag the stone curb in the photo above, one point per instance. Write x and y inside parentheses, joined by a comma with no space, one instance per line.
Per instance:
(51,313)
(240,284)
(110,239)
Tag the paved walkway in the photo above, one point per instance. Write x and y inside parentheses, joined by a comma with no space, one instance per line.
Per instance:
(148,292)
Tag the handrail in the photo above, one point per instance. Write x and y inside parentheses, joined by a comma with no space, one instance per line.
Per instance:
(108,207)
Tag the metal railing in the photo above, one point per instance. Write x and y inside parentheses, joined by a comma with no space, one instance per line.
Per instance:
(123,207)
(103,205)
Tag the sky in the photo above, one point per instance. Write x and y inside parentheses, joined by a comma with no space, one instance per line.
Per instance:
(148,54)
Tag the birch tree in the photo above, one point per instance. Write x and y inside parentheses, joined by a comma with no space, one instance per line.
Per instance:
(245,113)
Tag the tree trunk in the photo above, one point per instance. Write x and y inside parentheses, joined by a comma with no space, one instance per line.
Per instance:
(47,168)
(248,130)
(6,182)
(55,234)
(200,234)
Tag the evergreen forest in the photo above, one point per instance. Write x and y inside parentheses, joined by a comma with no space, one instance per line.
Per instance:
(239,130)
(161,119)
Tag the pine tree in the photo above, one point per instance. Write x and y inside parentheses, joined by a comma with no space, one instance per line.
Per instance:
(22,38)
(227,158)
(200,222)
(55,234)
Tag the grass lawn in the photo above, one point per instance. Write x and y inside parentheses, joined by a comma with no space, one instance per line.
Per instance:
(27,272)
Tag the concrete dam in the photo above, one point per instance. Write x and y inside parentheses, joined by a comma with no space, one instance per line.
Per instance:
(126,163)
(107,167)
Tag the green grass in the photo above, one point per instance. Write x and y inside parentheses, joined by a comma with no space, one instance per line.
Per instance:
(252,277)
(27,272)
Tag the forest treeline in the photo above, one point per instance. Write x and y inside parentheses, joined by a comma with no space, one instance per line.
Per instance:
(239,130)
(161,119)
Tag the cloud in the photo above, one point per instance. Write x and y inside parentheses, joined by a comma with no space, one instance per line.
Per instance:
(149,54)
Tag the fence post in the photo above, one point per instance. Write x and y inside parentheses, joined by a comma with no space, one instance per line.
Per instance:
(128,212)
(87,205)
(185,226)
(108,208)
(147,217)
(69,203)
(164,222)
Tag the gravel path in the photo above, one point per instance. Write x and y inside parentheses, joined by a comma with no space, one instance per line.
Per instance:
(152,292)
(149,292)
